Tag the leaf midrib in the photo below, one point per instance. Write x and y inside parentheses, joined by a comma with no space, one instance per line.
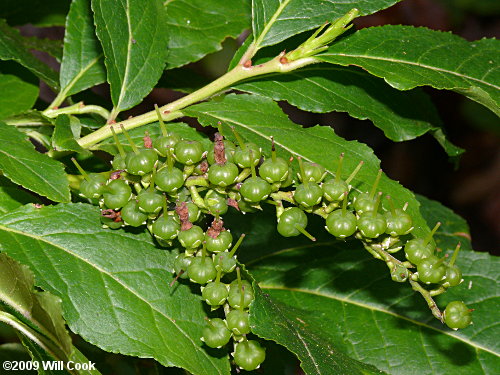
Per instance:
(429,67)
(57,193)
(79,75)
(129,53)
(378,309)
(111,276)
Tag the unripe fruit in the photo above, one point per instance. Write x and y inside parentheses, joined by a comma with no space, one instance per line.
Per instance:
(457,315)
(249,355)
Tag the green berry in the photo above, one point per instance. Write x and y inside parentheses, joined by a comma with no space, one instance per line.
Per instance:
(110,223)
(249,355)
(457,315)
(312,172)
(131,215)
(453,276)
(371,224)
(238,322)
(117,194)
(181,264)
(166,227)
(417,250)
(191,238)
(341,224)
(223,174)
(234,297)
(150,202)
(216,203)
(431,270)
(255,189)
(93,185)
(215,293)
(216,334)
(398,222)
(247,157)
(225,262)
(333,190)
(188,152)
(290,220)
(201,270)
(308,195)
(274,170)
(141,162)
(221,243)
(164,143)
(169,179)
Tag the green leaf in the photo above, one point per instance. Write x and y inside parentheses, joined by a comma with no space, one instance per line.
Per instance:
(321,88)
(39,355)
(313,346)
(407,57)
(15,47)
(16,96)
(82,65)
(134,41)
(32,118)
(50,46)
(179,128)
(114,285)
(12,196)
(35,171)
(337,291)
(276,20)
(63,138)
(258,118)
(198,27)
(41,311)
(453,228)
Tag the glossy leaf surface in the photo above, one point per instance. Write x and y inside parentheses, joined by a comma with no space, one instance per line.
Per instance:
(82,65)
(117,280)
(276,20)
(198,27)
(336,291)
(12,196)
(407,57)
(134,40)
(16,96)
(321,88)
(15,47)
(35,171)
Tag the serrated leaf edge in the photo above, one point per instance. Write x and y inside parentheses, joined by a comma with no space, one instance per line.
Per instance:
(41,239)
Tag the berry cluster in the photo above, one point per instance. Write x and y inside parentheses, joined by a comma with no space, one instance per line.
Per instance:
(171,184)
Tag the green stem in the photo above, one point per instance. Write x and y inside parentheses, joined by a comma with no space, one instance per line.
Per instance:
(197,199)
(76,109)
(427,294)
(237,245)
(283,196)
(438,291)
(244,174)
(428,298)
(196,181)
(255,46)
(172,110)
(382,254)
